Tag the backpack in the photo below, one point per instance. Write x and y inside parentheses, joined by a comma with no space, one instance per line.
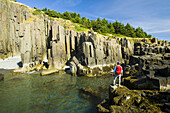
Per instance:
(118,70)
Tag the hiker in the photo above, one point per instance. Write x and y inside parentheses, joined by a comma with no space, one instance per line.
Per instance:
(117,72)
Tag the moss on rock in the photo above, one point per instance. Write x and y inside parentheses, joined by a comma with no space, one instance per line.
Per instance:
(124,100)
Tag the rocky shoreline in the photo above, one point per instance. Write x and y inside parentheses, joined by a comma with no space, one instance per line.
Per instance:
(124,100)
(45,45)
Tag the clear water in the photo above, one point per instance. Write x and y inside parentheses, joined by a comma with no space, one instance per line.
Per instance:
(59,93)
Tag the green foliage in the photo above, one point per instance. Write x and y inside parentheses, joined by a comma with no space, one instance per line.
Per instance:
(80,28)
(130,31)
(51,13)
(100,26)
(140,33)
(37,12)
(14,0)
(111,29)
(66,15)
(119,35)
(45,9)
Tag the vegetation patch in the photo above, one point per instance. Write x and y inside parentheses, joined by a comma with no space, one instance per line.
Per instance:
(100,26)
(79,28)
(37,12)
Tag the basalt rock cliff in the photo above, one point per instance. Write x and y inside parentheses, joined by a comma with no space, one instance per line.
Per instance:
(38,37)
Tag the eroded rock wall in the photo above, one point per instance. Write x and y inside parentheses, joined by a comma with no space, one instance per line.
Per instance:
(20,33)
(37,37)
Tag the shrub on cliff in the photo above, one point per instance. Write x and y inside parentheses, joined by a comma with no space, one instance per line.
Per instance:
(14,0)
(37,12)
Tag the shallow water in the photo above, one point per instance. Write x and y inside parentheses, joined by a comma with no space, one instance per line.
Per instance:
(55,93)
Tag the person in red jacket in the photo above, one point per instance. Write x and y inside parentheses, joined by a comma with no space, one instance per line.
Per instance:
(117,72)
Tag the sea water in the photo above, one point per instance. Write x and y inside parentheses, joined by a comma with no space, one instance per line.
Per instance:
(57,93)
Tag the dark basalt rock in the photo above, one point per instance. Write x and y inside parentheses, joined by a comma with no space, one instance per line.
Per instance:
(123,100)
(1,76)
(89,92)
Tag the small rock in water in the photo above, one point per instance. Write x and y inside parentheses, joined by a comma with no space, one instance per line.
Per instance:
(90,91)
(1,76)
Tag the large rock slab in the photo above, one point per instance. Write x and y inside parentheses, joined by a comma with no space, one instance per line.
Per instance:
(123,100)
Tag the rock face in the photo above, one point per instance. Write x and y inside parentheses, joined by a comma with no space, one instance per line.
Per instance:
(153,62)
(37,37)
(122,100)
(21,34)
(1,77)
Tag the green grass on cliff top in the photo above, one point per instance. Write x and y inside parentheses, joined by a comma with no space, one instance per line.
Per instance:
(79,28)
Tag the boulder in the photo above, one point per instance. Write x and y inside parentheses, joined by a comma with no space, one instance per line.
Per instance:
(121,100)
(73,68)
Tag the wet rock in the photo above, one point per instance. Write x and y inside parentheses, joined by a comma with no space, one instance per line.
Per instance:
(103,88)
(122,95)
(73,68)
(1,76)
(166,107)
(16,79)
(88,92)
(48,72)
(103,107)
(121,100)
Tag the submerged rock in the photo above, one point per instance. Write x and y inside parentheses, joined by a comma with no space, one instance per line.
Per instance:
(89,91)
(48,72)
(1,76)
(103,107)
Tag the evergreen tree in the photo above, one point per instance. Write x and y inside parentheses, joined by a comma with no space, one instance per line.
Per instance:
(73,15)
(45,9)
(111,28)
(104,22)
(78,19)
(88,25)
(66,15)
(99,24)
(94,25)
(116,26)
(149,36)
(140,33)
(130,31)
(104,28)
(83,21)
(122,29)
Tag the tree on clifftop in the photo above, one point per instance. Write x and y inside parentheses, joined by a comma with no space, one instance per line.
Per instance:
(140,33)
(111,28)
(130,31)
(66,15)
(101,26)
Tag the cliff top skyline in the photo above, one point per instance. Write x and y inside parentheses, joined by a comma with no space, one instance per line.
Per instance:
(153,16)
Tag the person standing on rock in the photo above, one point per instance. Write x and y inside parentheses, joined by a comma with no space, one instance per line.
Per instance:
(117,72)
